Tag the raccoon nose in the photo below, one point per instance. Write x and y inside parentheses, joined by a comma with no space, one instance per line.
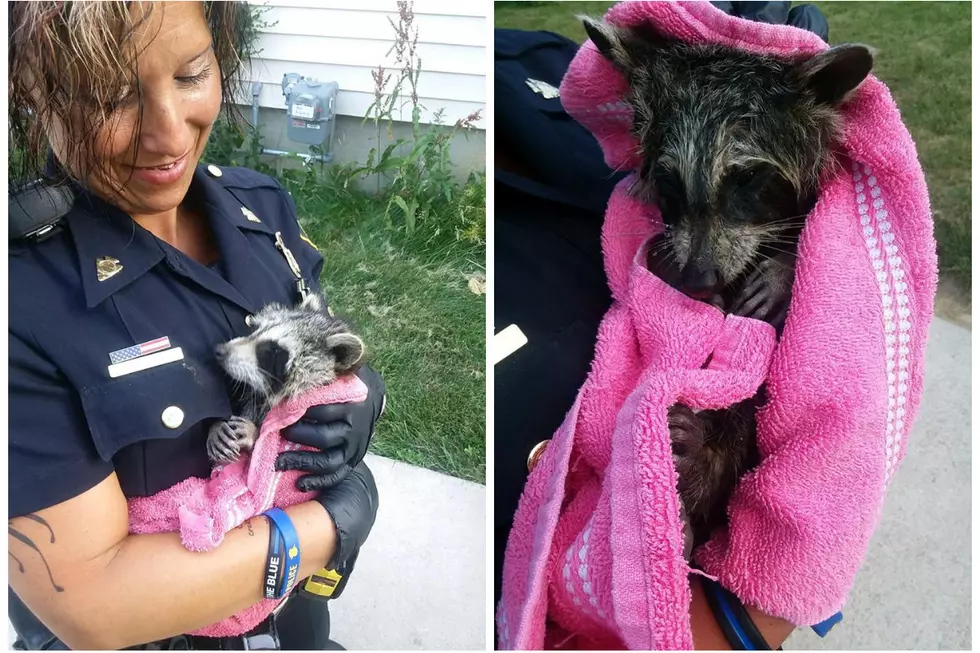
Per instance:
(221,351)
(701,284)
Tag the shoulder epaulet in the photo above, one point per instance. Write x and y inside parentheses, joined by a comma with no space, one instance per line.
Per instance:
(243,178)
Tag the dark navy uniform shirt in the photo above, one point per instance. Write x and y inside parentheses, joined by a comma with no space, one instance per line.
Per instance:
(549,278)
(71,425)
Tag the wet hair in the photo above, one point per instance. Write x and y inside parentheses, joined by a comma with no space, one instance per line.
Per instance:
(72,61)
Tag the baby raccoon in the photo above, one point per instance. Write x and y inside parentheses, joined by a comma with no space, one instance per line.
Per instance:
(290,350)
(734,145)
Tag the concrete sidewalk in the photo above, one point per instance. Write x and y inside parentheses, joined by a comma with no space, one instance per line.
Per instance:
(421,578)
(913,591)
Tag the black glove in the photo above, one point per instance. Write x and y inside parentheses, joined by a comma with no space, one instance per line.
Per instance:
(353,506)
(341,432)
(806,17)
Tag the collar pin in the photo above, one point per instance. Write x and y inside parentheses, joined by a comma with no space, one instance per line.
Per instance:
(543,88)
(107,267)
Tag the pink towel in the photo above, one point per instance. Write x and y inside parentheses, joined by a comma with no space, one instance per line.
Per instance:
(596,555)
(203,510)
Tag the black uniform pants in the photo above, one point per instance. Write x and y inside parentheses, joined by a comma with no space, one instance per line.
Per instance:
(303,625)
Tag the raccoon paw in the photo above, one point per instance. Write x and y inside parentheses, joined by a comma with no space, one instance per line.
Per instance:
(686,431)
(700,468)
(228,439)
(763,297)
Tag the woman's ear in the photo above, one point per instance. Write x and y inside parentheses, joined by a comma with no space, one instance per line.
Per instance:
(834,74)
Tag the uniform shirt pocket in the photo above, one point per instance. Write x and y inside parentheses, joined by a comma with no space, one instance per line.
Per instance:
(158,403)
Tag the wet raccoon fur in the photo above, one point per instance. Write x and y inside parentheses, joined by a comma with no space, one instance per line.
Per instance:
(289,351)
(734,146)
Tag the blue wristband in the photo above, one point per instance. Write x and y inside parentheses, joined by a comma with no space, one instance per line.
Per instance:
(290,541)
(727,619)
(273,563)
(824,626)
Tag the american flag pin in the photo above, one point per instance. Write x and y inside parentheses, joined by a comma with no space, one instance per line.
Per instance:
(129,353)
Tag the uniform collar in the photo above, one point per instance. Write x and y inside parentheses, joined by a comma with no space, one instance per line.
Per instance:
(223,201)
(230,217)
(103,232)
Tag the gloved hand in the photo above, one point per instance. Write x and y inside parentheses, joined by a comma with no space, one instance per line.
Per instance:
(353,506)
(806,17)
(341,432)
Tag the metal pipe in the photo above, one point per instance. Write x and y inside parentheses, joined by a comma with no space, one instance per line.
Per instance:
(333,125)
(325,158)
(256,89)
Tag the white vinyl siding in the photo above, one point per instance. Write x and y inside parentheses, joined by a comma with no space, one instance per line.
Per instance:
(343,41)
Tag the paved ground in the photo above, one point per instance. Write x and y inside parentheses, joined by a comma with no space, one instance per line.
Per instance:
(421,580)
(913,591)
(421,577)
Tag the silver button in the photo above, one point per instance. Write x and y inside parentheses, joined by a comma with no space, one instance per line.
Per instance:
(249,321)
(214,170)
(172,417)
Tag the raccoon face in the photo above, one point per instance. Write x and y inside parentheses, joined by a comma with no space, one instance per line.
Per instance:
(291,350)
(733,143)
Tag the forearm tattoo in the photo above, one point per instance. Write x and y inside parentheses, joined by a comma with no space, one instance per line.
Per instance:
(26,540)
(247,524)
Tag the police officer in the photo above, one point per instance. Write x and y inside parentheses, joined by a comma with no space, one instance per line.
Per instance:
(551,188)
(151,259)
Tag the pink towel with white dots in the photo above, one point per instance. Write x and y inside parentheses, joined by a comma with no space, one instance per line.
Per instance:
(596,556)
(203,510)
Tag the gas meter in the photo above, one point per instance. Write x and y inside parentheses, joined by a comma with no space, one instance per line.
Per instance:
(310,109)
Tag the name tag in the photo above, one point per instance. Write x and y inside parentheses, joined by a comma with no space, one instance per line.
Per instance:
(507,342)
(145,362)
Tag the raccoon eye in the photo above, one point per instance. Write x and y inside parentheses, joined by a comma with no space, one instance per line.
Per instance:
(645,168)
(669,191)
(668,201)
(273,360)
(744,176)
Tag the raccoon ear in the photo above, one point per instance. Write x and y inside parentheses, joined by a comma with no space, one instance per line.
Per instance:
(313,301)
(347,350)
(625,47)
(833,74)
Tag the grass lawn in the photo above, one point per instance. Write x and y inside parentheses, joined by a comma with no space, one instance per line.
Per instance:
(924,57)
(424,329)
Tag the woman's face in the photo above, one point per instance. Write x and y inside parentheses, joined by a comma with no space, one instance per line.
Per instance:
(179,100)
